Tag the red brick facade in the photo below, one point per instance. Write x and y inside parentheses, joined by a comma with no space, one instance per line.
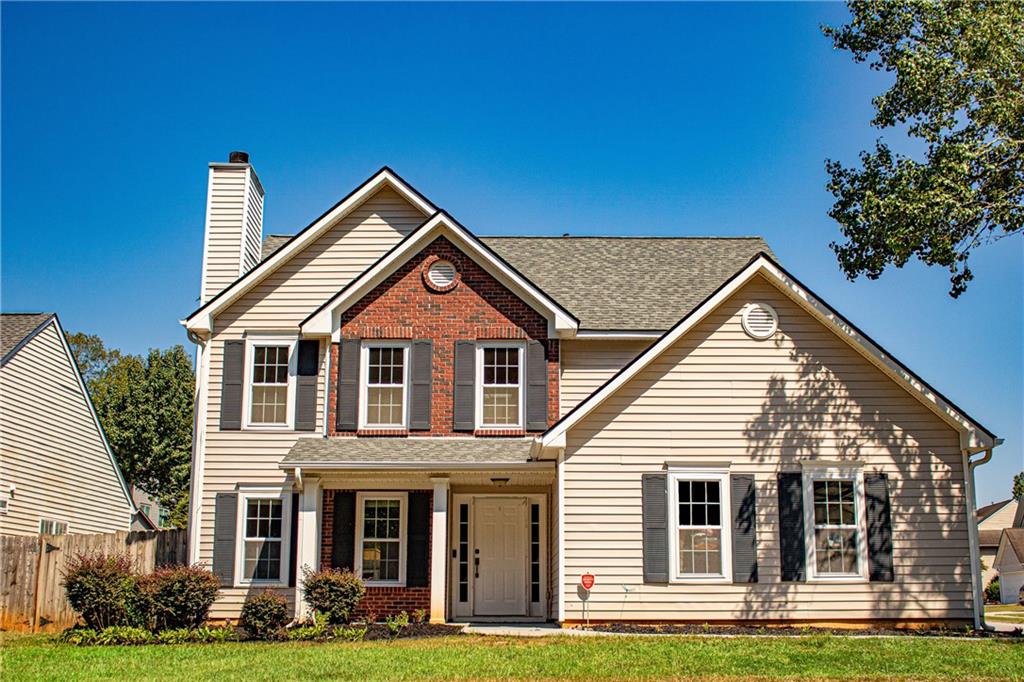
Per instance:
(478,308)
(382,601)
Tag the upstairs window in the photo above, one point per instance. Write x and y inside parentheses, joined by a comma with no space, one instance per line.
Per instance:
(500,403)
(384,394)
(271,378)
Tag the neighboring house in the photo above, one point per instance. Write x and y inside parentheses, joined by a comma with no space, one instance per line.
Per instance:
(57,473)
(473,423)
(157,515)
(1010,564)
(992,519)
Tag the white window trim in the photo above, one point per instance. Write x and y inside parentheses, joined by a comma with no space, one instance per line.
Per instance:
(286,524)
(251,342)
(823,472)
(364,386)
(403,523)
(55,519)
(479,388)
(725,500)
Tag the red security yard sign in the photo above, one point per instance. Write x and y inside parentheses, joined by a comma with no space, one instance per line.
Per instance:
(587,580)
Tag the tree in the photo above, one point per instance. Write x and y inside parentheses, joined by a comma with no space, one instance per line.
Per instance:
(92,356)
(1018,486)
(958,90)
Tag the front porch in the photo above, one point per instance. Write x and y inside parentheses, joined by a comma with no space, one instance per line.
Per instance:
(459,528)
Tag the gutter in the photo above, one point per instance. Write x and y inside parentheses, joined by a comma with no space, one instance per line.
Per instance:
(417,466)
(972,532)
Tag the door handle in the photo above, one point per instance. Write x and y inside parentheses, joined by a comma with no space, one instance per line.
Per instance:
(476,567)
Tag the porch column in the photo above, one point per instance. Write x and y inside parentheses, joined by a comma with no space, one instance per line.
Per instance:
(308,538)
(439,551)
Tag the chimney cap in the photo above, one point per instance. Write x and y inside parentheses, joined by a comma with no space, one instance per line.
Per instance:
(238,157)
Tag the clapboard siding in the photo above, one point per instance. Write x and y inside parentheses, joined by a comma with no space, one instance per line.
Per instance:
(51,449)
(586,364)
(762,406)
(226,206)
(280,303)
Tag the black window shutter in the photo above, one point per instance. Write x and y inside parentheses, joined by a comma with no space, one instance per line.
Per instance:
(876,493)
(465,385)
(305,393)
(655,531)
(343,540)
(417,553)
(293,541)
(225,518)
(420,372)
(348,385)
(744,528)
(231,386)
(791,527)
(536,387)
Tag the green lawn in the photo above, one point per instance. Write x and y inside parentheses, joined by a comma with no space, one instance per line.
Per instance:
(1005,613)
(818,657)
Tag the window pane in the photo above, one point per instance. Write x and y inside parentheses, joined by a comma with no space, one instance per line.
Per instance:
(380,560)
(700,551)
(501,406)
(384,406)
(684,491)
(262,560)
(836,550)
(269,404)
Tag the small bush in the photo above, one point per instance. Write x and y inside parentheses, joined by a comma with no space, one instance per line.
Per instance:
(78,636)
(124,634)
(264,614)
(352,634)
(992,591)
(333,592)
(419,616)
(103,590)
(317,629)
(180,596)
(397,623)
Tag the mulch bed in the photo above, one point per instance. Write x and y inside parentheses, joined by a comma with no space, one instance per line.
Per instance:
(787,631)
(413,631)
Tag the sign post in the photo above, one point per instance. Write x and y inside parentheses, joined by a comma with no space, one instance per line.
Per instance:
(587,581)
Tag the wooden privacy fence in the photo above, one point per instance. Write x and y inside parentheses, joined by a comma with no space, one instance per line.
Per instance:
(32,570)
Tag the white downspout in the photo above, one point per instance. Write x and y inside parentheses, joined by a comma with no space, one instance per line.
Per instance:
(972,533)
(195,500)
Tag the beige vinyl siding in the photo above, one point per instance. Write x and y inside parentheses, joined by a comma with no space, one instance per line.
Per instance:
(762,407)
(224,231)
(50,447)
(253,225)
(1001,519)
(587,364)
(279,303)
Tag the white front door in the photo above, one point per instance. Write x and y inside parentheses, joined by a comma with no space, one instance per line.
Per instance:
(499,529)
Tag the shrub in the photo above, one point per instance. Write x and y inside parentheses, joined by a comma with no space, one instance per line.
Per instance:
(419,616)
(103,590)
(992,591)
(333,592)
(397,623)
(180,596)
(352,634)
(123,634)
(264,614)
(78,636)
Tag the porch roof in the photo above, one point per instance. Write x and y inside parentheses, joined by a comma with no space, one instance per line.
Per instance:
(405,453)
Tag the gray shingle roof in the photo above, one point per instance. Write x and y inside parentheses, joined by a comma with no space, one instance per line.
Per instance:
(1015,537)
(408,451)
(14,327)
(620,283)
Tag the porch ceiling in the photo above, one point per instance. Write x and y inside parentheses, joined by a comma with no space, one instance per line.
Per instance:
(410,453)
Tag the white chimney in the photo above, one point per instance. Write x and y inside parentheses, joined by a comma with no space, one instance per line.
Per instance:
(234,224)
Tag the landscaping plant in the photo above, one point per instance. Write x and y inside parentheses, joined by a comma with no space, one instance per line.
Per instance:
(396,624)
(992,591)
(264,614)
(180,596)
(333,592)
(103,589)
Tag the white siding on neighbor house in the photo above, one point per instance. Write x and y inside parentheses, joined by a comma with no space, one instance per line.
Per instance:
(587,364)
(279,303)
(1002,518)
(763,406)
(50,447)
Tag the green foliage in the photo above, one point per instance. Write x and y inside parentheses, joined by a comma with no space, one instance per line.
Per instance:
(180,596)
(200,635)
(958,91)
(396,624)
(419,616)
(992,591)
(1018,486)
(103,590)
(318,629)
(92,356)
(264,614)
(123,634)
(333,592)
(352,634)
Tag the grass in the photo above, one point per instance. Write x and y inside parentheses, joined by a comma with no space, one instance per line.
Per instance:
(1005,613)
(38,657)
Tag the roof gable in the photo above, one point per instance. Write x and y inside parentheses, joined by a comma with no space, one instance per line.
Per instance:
(1010,555)
(17,329)
(973,435)
(201,320)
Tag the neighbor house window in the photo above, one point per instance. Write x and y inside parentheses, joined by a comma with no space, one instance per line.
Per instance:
(380,541)
(833,509)
(264,518)
(52,527)
(500,396)
(701,537)
(384,384)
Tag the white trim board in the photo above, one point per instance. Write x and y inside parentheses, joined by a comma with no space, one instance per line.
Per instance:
(973,436)
(325,320)
(202,319)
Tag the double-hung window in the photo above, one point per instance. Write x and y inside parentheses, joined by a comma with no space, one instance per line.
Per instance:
(385,394)
(701,537)
(53,527)
(500,394)
(271,376)
(833,520)
(264,518)
(380,537)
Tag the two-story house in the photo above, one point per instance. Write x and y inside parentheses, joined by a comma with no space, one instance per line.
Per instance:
(472,424)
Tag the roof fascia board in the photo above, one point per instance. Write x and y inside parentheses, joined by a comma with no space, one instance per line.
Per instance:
(325,320)
(202,319)
(416,466)
(618,335)
(972,433)
(28,337)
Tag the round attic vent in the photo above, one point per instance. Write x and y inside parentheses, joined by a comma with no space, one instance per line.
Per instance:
(441,274)
(760,320)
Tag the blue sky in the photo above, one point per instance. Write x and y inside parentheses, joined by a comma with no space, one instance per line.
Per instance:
(540,119)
